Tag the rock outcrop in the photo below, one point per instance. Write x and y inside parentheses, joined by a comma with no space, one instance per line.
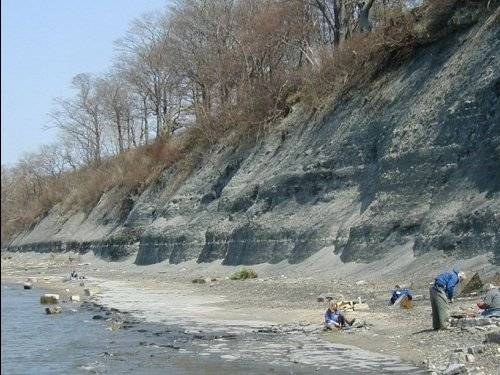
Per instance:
(413,160)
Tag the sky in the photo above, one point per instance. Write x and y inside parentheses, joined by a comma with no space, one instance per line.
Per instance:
(44,44)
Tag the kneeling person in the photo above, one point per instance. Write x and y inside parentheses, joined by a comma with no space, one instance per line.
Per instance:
(335,318)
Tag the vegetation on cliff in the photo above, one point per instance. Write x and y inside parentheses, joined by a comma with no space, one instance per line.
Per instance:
(203,72)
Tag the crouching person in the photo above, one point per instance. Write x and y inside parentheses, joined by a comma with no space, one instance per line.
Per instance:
(399,294)
(490,304)
(441,294)
(335,318)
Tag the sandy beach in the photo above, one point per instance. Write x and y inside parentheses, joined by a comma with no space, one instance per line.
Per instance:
(282,299)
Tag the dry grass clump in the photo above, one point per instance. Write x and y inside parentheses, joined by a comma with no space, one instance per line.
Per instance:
(365,56)
(243,274)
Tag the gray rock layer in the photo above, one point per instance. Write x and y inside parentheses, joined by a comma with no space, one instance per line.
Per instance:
(413,159)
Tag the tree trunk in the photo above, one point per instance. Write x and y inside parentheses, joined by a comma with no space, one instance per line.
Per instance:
(146,125)
(120,132)
(364,19)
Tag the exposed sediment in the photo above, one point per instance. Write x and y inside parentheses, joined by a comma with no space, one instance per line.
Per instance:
(412,160)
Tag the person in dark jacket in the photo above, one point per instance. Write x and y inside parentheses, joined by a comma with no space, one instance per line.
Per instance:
(335,318)
(441,294)
(398,293)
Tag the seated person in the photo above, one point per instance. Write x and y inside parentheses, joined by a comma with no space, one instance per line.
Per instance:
(490,302)
(335,318)
(398,293)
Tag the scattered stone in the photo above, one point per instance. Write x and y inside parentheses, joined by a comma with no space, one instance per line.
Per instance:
(455,369)
(49,299)
(53,310)
(476,349)
(361,282)
(457,358)
(27,286)
(493,337)
(75,298)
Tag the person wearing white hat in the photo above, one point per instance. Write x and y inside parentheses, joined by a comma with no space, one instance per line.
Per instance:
(441,295)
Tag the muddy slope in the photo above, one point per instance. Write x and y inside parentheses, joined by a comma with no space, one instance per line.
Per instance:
(414,160)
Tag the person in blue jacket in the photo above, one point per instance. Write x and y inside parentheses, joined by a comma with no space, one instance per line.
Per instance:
(441,294)
(398,293)
(335,318)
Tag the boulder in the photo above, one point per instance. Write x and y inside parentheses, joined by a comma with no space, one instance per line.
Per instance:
(27,286)
(49,299)
(53,310)
(75,298)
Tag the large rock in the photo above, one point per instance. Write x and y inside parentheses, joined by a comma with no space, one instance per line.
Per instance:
(49,299)
(53,310)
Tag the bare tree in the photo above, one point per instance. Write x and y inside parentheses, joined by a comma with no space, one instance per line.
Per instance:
(81,117)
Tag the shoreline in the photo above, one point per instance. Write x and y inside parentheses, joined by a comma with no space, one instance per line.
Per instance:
(262,303)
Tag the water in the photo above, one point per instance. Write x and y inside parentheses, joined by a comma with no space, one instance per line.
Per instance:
(74,343)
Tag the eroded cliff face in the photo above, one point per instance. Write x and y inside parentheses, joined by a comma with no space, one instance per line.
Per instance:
(412,160)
